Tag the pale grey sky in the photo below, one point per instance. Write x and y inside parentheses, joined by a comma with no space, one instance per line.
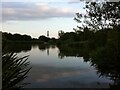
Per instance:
(35,18)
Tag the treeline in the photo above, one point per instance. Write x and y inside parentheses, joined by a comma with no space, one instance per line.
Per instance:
(25,38)
(93,39)
(84,43)
(15,37)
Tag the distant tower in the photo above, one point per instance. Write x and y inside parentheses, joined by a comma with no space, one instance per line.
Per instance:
(47,33)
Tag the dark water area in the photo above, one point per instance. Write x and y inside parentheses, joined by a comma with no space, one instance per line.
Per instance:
(53,67)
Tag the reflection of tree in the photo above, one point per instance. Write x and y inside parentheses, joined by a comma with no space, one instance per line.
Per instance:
(12,47)
(73,51)
(53,46)
(43,47)
(14,71)
(106,61)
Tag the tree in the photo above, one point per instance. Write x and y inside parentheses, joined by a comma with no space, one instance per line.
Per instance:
(15,37)
(26,37)
(60,33)
(100,15)
(44,38)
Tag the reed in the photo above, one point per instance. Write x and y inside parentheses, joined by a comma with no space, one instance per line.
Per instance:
(14,71)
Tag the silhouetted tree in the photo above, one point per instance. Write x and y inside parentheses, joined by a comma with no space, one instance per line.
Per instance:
(15,37)
(44,38)
(26,37)
(60,33)
(100,15)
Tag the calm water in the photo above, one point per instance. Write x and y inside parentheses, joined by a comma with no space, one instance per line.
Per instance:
(50,70)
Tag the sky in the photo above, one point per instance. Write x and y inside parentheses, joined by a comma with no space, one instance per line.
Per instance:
(36,17)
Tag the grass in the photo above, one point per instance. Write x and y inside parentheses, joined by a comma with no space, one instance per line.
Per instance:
(14,71)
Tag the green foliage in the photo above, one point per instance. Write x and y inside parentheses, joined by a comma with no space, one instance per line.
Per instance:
(14,71)
(9,38)
(44,38)
(68,36)
(15,37)
(60,33)
(100,15)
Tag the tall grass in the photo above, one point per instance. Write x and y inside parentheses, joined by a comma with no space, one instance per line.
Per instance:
(14,71)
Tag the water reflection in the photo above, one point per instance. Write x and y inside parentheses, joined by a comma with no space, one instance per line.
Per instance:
(51,69)
(107,63)
(104,59)
(48,52)
(66,51)
(17,47)
(43,47)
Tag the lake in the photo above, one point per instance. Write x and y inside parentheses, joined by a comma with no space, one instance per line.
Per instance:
(52,69)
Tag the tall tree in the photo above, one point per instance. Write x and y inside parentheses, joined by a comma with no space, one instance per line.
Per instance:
(100,15)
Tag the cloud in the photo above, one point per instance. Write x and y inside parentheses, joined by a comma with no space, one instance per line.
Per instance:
(33,11)
(74,1)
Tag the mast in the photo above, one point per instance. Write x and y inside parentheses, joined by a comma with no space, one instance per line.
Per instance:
(47,33)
